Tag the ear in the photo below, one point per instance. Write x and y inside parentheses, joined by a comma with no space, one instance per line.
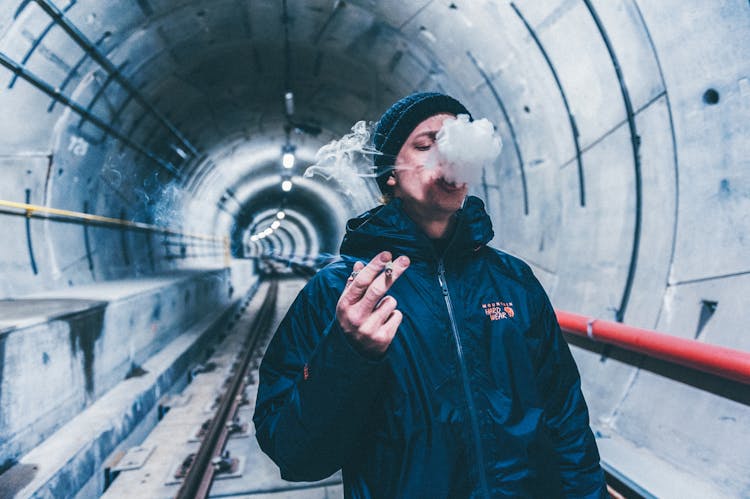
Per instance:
(391,180)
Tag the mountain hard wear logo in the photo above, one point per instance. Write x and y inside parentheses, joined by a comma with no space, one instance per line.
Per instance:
(498,310)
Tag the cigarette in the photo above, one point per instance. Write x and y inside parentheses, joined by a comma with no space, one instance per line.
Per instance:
(389,268)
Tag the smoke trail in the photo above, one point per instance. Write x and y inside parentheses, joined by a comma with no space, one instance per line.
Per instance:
(166,212)
(464,149)
(347,160)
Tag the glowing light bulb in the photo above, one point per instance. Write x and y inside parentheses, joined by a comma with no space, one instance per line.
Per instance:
(287,159)
(275,225)
(280,215)
(286,185)
(268,231)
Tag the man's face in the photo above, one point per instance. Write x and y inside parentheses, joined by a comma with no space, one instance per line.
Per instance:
(423,190)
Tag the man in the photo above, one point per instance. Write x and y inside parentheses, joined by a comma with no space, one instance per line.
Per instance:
(442,373)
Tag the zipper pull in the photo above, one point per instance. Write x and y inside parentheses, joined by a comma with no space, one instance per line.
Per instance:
(441,277)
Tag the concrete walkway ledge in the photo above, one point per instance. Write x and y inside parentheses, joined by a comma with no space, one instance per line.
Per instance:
(74,454)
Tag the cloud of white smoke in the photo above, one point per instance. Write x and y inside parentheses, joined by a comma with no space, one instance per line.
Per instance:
(465,147)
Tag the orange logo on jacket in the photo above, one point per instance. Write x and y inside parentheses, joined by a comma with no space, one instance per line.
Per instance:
(498,310)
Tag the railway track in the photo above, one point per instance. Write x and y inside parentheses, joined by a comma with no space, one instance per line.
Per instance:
(204,445)
(211,457)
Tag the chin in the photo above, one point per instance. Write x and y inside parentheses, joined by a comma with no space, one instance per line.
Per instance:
(451,203)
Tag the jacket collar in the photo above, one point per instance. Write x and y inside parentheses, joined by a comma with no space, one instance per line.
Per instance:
(387,227)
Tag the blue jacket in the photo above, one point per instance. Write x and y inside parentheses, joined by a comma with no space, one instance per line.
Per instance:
(477,395)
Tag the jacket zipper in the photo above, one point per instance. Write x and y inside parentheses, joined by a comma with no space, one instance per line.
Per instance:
(465,378)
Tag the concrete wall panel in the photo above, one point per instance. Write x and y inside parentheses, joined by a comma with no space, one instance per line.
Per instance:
(647,417)
(394,12)
(543,13)
(585,69)
(32,133)
(347,25)
(535,236)
(505,172)
(45,62)
(547,279)
(684,307)
(631,44)
(536,108)
(94,18)
(19,174)
(436,30)
(596,241)
(264,19)
(658,219)
(28,23)
(714,179)
(39,370)
(605,380)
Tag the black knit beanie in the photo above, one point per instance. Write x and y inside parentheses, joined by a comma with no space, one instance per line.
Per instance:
(400,119)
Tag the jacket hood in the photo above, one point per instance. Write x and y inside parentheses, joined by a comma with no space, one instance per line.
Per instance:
(387,227)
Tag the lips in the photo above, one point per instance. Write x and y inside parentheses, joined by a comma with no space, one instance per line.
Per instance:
(448,186)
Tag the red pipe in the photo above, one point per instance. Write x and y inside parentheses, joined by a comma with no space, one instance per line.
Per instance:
(721,361)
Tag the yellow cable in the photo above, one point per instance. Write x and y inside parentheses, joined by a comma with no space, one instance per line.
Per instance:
(35,210)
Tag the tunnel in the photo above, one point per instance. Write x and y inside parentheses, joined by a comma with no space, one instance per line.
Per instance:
(153,154)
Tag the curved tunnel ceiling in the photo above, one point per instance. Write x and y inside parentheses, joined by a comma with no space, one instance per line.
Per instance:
(623,180)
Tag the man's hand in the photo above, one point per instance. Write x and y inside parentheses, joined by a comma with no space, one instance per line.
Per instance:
(363,310)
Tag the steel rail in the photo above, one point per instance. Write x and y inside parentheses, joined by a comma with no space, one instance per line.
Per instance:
(713,359)
(59,17)
(32,210)
(200,475)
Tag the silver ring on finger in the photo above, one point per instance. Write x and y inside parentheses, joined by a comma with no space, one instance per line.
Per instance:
(354,275)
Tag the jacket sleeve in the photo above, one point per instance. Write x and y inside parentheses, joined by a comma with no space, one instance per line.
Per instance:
(566,415)
(315,389)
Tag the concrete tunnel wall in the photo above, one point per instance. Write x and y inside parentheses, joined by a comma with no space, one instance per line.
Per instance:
(623,181)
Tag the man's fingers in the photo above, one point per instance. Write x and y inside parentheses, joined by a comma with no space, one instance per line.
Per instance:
(381,314)
(365,277)
(393,322)
(383,322)
(358,266)
(382,283)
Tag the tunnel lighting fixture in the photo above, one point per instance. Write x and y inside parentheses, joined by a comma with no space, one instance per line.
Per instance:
(253,238)
(287,160)
(286,185)
(289,103)
(280,215)
(268,231)
(182,154)
(275,225)
(287,156)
